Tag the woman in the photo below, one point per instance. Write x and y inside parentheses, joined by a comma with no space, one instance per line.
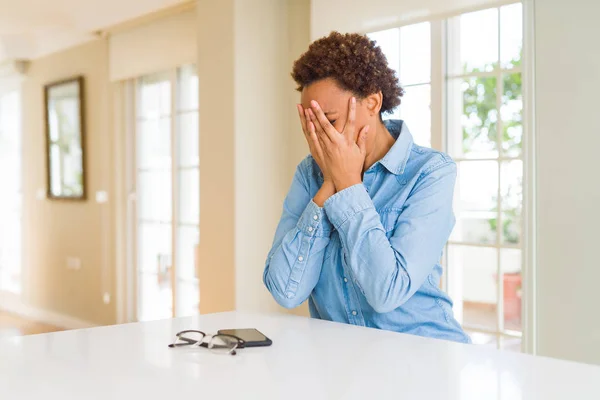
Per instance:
(369,212)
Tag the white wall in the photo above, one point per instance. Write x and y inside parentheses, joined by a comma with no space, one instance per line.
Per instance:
(249,142)
(567,85)
(56,230)
(260,141)
(362,16)
(298,42)
(150,48)
(269,143)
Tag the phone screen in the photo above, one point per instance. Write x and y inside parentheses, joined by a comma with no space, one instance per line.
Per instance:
(247,335)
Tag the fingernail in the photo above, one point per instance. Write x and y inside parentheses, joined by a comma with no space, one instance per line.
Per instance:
(353,100)
(367,128)
(314,103)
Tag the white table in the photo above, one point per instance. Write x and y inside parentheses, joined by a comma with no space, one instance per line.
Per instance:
(309,359)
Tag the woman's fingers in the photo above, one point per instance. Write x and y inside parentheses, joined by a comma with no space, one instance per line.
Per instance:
(349,129)
(313,132)
(362,139)
(303,119)
(316,144)
(323,137)
(315,139)
(322,120)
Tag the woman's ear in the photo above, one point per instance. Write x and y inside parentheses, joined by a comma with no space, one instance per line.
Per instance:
(374,103)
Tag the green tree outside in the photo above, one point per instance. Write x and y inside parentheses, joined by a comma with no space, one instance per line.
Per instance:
(480,109)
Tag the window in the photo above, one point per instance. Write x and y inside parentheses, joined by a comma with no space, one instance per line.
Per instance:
(484,136)
(167,175)
(10,187)
(408,51)
(482,102)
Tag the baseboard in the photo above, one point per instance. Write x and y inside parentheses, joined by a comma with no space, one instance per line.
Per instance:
(12,303)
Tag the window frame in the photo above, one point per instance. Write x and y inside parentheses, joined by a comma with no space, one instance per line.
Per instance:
(175,112)
(499,73)
(8,85)
(439,141)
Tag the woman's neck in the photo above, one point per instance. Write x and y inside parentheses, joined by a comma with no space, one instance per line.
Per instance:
(383,143)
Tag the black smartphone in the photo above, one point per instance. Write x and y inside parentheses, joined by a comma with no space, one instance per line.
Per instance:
(251,337)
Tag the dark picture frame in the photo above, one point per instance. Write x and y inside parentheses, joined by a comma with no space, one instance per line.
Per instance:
(64,105)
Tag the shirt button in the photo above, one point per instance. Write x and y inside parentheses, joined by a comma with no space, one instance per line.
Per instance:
(300,258)
(346,280)
(354,313)
(315,217)
(310,228)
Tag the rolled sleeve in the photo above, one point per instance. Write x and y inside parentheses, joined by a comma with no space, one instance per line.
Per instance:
(314,221)
(294,263)
(345,204)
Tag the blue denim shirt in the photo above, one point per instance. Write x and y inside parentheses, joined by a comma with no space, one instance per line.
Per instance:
(370,256)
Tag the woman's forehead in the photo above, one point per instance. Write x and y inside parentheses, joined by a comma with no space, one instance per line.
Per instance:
(327,93)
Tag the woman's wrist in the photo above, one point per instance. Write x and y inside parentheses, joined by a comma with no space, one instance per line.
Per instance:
(347,181)
(326,191)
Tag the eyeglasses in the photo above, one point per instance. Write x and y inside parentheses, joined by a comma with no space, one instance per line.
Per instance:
(220,344)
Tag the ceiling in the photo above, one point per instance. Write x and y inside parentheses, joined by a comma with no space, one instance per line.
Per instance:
(33,28)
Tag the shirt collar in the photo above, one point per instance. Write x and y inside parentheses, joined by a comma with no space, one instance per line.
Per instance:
(396,158)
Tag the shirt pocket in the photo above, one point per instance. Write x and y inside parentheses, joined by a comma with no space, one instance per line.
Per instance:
(389,218)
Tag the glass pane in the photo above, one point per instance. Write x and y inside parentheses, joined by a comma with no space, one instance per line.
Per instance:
(188,88)
(188,139)
(55,167)
(512,200)
(476,202)
(476,267)
(155,297)
(473,42)
(188,298)
(389,42)
(415,54)
(154,241)
(511,35)
(154,96)
(511,261)
(149,100)
(511,113)
(189,196)
(415,110)
(472,118)
(187,241)
(10,113)
(154,143)
(154,195)
(11,197)
(10,251)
